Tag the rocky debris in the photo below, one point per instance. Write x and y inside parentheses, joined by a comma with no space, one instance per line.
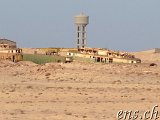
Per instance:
(6,63)
(26,63)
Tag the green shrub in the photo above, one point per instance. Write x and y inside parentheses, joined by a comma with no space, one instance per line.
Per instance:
(42,59)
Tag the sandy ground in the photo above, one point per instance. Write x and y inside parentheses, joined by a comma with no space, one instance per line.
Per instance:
(76,91)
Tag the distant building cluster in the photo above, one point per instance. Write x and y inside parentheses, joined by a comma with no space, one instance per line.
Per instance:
(95,54)
(9,50)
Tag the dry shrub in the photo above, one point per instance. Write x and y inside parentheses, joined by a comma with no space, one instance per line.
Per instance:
(68,113)
(143,99)
(117,82)
(58,61)
(84,116)
(84,68)
(156,73)
(152,64)
(47,74)
(13,90)
(149,89)
(139,74)
(69,88)
(29,87)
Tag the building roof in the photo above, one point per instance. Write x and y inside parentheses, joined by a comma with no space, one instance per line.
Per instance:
(81,15)
(6,41)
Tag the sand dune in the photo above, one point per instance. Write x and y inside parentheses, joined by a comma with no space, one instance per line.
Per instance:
(148,56)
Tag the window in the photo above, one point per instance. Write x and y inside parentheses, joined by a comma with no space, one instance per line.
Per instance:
(83,35)
(78,41)
(78,28)
(83,41)
(83,28)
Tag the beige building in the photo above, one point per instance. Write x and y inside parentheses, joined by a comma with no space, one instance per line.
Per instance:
(9,51)
(104,55)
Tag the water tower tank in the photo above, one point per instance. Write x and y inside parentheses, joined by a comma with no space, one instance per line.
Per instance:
(82,19)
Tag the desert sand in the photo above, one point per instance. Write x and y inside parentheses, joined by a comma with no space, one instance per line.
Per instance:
(76,91)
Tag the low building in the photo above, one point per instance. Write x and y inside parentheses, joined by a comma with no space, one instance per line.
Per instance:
(104,56)
(9,51)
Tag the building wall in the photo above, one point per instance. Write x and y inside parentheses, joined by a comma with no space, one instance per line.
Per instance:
(118,60)
(103,59)
(102,52)
(14,55)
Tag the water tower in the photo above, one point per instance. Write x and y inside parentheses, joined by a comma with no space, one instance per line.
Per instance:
(81,22)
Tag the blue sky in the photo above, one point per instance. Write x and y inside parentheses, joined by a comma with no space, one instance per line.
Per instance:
(129,25)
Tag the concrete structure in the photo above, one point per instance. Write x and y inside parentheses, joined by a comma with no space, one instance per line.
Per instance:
(104,56)
(9,51)
(81,22)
